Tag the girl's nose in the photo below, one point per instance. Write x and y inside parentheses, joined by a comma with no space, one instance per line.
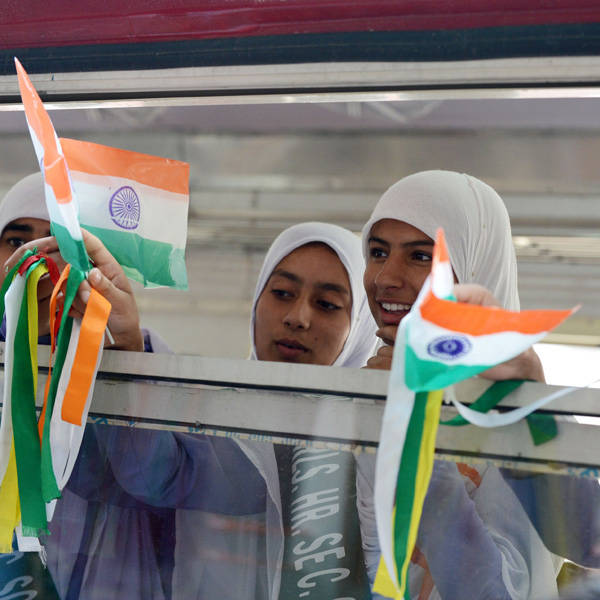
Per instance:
(390,275)
(298,317)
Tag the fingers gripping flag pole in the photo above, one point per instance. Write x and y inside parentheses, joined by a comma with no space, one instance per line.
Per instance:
(439,343)
(36,458)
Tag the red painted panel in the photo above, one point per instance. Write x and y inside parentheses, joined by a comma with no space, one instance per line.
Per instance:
(60,23)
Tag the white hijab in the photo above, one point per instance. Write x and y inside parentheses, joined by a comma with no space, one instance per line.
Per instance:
(361,341)
(474,220)
(24,199)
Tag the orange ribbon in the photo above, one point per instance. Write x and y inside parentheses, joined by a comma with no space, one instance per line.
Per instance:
(91,338)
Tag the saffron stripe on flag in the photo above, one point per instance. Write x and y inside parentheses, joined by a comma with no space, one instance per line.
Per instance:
(485,320)
(154,171)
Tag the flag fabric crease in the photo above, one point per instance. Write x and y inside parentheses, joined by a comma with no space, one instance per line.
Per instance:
(439,343)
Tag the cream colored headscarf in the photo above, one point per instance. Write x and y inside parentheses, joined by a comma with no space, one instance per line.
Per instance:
(24,199)
(361,341)
(474,220)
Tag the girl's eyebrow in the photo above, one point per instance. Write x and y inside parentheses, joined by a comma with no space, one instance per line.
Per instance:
(288,275)
(418,243)
(377,240)
(18,227)
(424,242)
(332,287)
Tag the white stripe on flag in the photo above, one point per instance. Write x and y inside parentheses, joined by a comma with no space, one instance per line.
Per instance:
(63,214)
(485,350)
(95,192)
(442,282)
(37,147)
(396,417)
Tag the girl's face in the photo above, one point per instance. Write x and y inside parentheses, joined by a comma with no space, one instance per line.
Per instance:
(19,232)
(303,314)
(398,262)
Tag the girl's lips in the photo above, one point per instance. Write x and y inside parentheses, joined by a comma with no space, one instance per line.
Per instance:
(393,312)
(290,349)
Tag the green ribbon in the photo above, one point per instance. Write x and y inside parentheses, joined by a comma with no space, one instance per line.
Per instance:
(50,489)
(24,421)
(405,485)
(9,277)
(542,427)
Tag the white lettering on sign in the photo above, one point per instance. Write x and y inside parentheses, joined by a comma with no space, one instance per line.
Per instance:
(335,538)
(325,469)
(319,557)
(306,581)
(24,581)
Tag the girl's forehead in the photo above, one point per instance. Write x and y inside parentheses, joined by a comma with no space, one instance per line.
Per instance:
(314,262)
(391,230)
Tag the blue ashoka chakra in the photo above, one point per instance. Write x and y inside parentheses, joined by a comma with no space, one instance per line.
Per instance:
(124,208)
(449,347)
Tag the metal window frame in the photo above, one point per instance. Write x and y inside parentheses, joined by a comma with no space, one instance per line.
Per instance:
(315,405)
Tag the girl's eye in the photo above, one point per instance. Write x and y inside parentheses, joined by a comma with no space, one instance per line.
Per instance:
(15,242)
(422,256)
(328,306)
(279,293)
(376,252)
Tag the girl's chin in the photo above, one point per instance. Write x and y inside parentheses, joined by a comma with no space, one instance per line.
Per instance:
(392,318)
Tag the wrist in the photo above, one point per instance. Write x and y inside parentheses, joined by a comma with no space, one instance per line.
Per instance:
(132,341)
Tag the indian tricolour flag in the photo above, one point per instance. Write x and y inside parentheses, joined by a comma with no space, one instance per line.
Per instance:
(60,200)
(137,205)
(440,342)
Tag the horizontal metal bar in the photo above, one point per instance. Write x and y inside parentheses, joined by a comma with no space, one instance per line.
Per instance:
(302,402)
(201,98)
(229,80)
(349,421)
(326,381)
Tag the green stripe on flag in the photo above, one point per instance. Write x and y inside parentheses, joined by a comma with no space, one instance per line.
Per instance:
(428,375)
(148,261)
(73,251)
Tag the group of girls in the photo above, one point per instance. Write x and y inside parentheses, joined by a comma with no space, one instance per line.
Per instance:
(322,297)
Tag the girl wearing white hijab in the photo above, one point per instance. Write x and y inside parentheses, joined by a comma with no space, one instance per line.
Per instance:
(360,343)
(24,201)
(475,540)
